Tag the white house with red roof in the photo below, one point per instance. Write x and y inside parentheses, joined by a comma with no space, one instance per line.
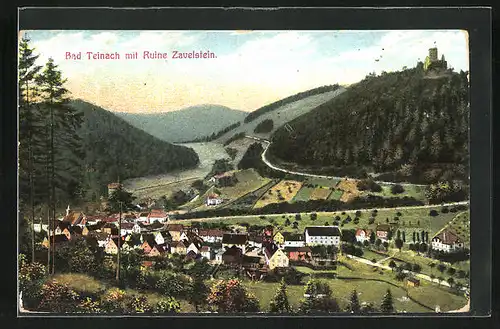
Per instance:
(363,235)
(447,241)
(157,216)
(143,217)
(213,200)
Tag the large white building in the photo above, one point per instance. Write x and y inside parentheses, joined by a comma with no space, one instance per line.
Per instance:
(447,241)
(322,235)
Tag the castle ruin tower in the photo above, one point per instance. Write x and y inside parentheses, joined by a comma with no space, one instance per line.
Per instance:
(433,54)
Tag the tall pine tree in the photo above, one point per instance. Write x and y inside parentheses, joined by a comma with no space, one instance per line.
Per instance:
(63,141)
(28,117)
(279,303)
(387,305)
(354,306)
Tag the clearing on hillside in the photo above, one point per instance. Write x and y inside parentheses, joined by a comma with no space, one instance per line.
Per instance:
(282,115)
(350,188)
(320,193)
(284,191)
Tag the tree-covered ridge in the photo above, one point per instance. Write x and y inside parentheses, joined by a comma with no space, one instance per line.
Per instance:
(290,99)
(403,123)
(116,149)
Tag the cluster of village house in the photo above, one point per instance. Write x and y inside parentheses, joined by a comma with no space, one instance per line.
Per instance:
(151,232)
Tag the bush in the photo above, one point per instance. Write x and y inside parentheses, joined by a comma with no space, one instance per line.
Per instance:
(397,189)
(445,210)
(58,298)
(433,213)
(31,279)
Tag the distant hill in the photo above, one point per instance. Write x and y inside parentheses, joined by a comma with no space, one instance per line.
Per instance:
(402,124)
(114,148)
(186,124)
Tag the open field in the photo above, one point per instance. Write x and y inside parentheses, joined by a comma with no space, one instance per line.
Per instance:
(411,219)
(155,192)
(286,189)
(414,258)
(417,192)
(248,181)
(304,194)
(248,201)
(350,188)
(361,278)
(335,195)
(81,282)
(320,193)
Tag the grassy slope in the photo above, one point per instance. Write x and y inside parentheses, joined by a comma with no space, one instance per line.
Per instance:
(415,216)
(281,115)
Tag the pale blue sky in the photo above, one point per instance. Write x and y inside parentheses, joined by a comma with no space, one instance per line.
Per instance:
(252,68)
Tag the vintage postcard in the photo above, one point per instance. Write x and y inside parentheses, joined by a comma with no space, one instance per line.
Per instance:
(295,172)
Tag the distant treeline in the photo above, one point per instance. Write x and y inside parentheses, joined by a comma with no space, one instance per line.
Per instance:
(370,201)
(290,99)
(216,135)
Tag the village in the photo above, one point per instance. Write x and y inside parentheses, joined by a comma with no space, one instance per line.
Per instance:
(254,251)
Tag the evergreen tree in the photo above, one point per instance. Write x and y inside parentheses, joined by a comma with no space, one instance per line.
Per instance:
(279,303)
(63,142)
(387,303)
(28,123)
(354,306)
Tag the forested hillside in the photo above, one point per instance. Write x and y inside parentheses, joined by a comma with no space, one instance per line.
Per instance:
(403,124)
(114,148)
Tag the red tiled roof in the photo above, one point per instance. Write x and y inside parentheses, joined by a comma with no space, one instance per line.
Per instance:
(448,237)
(205,248)
(211,232)
(367,232)
(175,227)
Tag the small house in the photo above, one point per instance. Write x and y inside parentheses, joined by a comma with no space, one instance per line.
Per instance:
(363,235)
(232,255)
(211,235)
(293,240)
(178,247)
(412,282)
(158,250)
(213,200)
(159,216)
(279,238)
(175,231)
(233,239)
(382,231)
(298,253)
(206,252)
(143,218)
(447,241)
(275,257)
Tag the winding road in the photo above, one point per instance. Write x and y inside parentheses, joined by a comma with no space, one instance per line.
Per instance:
(270,165)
